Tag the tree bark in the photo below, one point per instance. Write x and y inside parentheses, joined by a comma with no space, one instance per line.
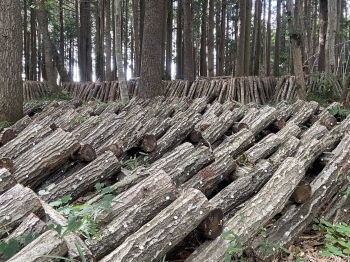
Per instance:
(188,40)
(11,89)
(210,38)
(43,25)
(322,34)
(167,229)
(151,70)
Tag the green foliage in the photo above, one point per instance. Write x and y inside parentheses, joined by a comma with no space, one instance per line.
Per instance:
(337,238)
(267,248)
(82,218)
(81,255)
(46,190)
(9,248)
(133,162)
(235,247)
(5,124)
(339,111)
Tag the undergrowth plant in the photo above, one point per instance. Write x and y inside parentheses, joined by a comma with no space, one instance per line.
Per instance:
(81,219)
(337,238)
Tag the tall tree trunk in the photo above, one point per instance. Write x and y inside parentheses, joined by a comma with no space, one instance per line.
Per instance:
(49,67)
(151,70)
(276,60)
(255,57)
(98,43)
(11,93)
(84,58)
(247,37)
(169,40)
(108,46)
(331,34)
(114,58)
(136,34)
(210,38)
(241,38)
(118,50)
(25,40)
(268,41)
(61,46)
(188,40)
(126,36)
(296,38)
(33,44)
(221,49)
(179,49)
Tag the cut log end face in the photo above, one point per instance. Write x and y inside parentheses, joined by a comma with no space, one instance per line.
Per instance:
(212,226)
(329,122)
(302,193)
(7,163)
(86,153)
(115,149)
(195,136)
(8,135)
(242,126)
(149,143)
(206,172)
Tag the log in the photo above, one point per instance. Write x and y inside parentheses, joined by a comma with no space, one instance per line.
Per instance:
(21,124)
(235,144)
(167,229)
(298,217)
(309,151)
(262,149)
(208,178)
(6,180)
(7,163)
(70,239)
(167,163)
(191,164)
(28,138)
(240,190)
(174,136)
(32,167)
(101,169)
(288,131)
(287,149)
(15,205)
(133,217)
(223,123)
(316,131)
(270,200)
(130,197)
(329,121)
(49,243)
(302,115)
(302,193)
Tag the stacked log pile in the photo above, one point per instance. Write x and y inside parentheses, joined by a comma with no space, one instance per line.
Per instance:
(35,90)
(178,169)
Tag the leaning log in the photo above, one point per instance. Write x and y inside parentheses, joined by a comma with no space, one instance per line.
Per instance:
(101,169)
(289,130)
(49,243)
(243,188)
(191,164)
(302,115)
(174,136)
(262,149)
(152,241)
(70,239)
(28,138)
(166,163)
(16,204)
(132,196)
(235,144)
(32,167)
(208,178)
(256,212)
(133,218)
(298,217)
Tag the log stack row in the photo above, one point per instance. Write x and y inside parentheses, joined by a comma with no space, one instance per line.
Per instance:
(179,169)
